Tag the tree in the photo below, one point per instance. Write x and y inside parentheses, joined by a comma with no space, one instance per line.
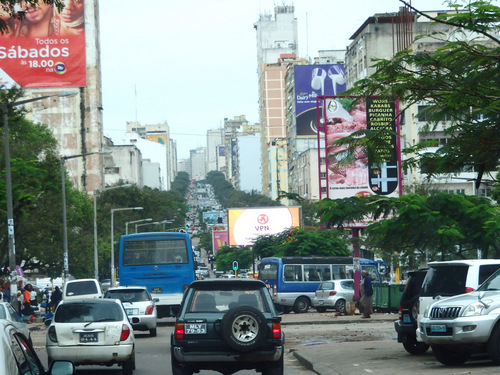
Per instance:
(226,255)
(460,81)
(8,8)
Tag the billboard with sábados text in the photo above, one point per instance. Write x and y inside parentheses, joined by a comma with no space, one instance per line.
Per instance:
(44,47)
(246,224)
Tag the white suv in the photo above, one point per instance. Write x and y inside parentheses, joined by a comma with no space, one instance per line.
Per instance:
(465,324)
(450,278)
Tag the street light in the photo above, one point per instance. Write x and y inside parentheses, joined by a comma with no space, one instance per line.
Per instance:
(133,222)
(96,254)
(113,210)
(65,227)
(140,225)
(8,177)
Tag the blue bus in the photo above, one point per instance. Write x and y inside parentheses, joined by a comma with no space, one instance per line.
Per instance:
(161,261)
(294,280)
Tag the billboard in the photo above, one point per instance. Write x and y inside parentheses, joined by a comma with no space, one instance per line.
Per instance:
(219,239)
(312,81)
(246,224)
(360,176)
(44,47)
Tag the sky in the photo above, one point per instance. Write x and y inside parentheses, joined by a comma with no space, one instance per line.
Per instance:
(192,63)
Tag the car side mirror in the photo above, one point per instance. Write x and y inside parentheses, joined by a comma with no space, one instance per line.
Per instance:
(62,368)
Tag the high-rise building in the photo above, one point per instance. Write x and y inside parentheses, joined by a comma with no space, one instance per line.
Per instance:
(215,138)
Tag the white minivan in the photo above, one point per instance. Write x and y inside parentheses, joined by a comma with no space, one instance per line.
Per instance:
(82,288)
(450,278)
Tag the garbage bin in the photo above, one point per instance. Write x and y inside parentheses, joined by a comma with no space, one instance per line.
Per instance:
(395,294)
(380,296)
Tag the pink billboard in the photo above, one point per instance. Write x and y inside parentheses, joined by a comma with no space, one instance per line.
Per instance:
(219,238)
(351,172)
(44,47)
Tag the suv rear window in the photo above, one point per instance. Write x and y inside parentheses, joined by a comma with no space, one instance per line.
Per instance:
(134,295)
(81,287)
(88,312)
(448,280)
(223,300)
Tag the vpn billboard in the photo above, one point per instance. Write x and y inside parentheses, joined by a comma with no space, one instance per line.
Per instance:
(246,224)
(44,47)
(312,81)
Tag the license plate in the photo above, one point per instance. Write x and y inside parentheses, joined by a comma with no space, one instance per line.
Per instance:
(155,290)
(321,302)
(132,311)
(406,318)
(195,328)
(88,337)
(438,328)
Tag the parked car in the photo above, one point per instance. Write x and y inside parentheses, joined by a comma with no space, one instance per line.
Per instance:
(465,324)
(94,331)
(333,294)
(406,325)
(138,304)
(82,288)
(227,325)
(9,313)
(450,278)
(18,357)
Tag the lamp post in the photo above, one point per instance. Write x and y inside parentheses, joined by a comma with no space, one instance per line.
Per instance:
(140,225)
(134,222)
(96,254)
(65,226)
(8,182)
(113,210)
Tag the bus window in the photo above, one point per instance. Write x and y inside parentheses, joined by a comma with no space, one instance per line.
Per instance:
(372,272)
(292,272)
(268,271)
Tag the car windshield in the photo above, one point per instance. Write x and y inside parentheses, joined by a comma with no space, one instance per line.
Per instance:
(88,312)
(493,283)
(135,295)
(223,300)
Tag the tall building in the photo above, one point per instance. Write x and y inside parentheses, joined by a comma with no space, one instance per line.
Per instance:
(215,138)
(198,163)
(276,40)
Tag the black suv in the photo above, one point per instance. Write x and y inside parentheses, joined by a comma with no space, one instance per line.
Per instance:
(227,325)
(406,325)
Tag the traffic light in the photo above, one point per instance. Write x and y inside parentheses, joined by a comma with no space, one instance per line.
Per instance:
(187,226)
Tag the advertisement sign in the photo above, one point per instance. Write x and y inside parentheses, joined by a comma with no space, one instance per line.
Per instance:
(246,224)
(360,176)
(219,239)
(44,48)
(312,81)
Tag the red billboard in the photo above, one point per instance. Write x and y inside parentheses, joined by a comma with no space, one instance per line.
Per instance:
(44,47)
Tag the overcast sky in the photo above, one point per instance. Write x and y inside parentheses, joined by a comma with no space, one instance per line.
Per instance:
(192,63)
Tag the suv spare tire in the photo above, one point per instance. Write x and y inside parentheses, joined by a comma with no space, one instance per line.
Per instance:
(244,328)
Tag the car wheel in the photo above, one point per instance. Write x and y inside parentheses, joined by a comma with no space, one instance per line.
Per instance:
(152,332)
(320,309)
(244,328)
(340,306)
(448,356)
(128,366)
(301,305)
(413,346)
(274,368)
(177,369)
(493,345)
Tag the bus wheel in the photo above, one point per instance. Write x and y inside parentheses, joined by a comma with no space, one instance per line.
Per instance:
(301,305)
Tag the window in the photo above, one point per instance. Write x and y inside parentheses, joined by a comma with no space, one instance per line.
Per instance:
(292,272)
(268,271)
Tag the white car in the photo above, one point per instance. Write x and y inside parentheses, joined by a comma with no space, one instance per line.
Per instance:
(82,288)
(8,312)
(18,357)
(93,331)
(139,304)
(334,294)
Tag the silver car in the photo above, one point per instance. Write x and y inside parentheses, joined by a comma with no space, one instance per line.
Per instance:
(334,294)
(140,306)
(8,312)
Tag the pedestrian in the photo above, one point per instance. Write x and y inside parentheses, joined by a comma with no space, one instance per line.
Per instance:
(26,307)
(366,300)
(55,298)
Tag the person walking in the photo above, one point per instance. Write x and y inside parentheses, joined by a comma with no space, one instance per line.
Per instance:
(27,309)
(55,298)
(366,300)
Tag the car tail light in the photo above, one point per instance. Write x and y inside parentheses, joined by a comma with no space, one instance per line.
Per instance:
(333,292)
(52,334)
(468,289)
(400,312)
(275,291)
(179,331)
(150,309)
(276,330)
(125,332)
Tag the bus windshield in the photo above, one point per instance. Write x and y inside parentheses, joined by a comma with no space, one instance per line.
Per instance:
(147,251)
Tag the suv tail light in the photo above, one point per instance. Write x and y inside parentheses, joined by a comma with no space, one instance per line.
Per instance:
(468,289)
(333,292)
(276,330)
(125,332)
(179,331)
(52,334)
(400,312)
(149,310)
